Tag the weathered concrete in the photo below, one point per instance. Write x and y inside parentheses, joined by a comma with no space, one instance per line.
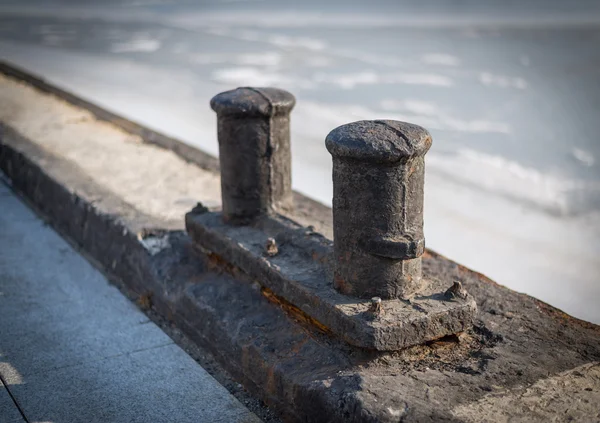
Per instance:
(183,150)
(301,274)
(516,342)
(74,349)
(542,401)
(105,151)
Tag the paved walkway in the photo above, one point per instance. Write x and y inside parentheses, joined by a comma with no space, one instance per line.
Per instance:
(74,349)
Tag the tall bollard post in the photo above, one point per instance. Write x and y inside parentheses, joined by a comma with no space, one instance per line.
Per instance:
(254,150)
(378,178)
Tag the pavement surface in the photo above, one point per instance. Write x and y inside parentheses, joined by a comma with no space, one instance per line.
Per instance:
(73,348)
(510,91)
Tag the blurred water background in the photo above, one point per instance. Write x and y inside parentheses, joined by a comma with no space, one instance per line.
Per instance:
(510,91)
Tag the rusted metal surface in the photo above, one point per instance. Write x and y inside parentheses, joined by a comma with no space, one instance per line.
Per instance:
(378,178)
(254,150)
(301,274)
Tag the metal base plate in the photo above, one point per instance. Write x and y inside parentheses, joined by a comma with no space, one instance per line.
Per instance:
(301,273)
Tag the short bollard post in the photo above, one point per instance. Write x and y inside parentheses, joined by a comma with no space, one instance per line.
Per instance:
(378,178)
(254,150)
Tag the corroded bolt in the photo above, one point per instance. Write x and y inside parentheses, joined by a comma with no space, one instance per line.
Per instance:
(378,178)
(456,291)
(271,248)
(376,307)
(254,150)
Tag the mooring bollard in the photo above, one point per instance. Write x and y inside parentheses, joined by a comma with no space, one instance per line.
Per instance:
(254,149)
(378,178)
(378,169)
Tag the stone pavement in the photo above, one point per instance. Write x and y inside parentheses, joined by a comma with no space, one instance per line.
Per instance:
(73,348)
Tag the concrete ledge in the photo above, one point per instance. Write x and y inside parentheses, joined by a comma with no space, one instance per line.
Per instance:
(517,342)
(150,136)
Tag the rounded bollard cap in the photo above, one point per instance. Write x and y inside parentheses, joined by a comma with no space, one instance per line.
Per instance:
(250,101)
(378,141)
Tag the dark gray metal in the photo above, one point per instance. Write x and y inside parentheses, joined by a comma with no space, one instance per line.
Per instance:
(378,177)
(379,166)
(254,150)
(300,273)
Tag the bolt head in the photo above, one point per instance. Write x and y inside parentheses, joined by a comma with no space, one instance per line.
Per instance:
(271,248)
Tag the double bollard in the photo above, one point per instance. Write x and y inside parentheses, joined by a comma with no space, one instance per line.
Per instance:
(378,178)
(368,287)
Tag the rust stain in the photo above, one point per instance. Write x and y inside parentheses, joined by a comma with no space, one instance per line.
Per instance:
(271,385)
(428,254)
(144,301)
(298,346)
(294,311)
(319,258)
(340,284)
(445,342)
(216,263)
(561,315)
